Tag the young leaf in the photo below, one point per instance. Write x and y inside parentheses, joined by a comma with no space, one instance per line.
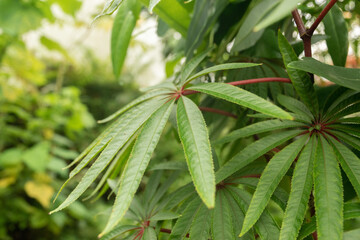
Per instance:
(221,222)
(283,9)
(336,29)
(252,152)
(125,130)
(137,163)
(256,128)
(200,227)
(123,27)
(347,77)
(220,67)
(328,193)
(269,180)
(183,224)
(194,137)
(300,80)
(350,163)
(301,185)
(244,98)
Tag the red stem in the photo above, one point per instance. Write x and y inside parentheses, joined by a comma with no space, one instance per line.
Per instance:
(218,111)
(245,82)
(299,23)
(323,13)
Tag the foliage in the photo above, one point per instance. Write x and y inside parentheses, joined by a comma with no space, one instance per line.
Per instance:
(255,176)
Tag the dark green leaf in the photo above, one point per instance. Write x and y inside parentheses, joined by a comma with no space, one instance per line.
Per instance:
(118,231)
(347,77)
(192,64)
(222,223)
(300,79)
(195,139)
(164,215)
(244,98)
(200,227)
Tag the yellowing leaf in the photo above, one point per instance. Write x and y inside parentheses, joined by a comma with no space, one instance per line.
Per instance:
(40,191)
(4,182)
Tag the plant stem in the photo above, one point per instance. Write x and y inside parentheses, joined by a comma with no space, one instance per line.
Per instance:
(218,111)
(323,13)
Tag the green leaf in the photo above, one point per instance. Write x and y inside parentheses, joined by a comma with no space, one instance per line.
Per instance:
(347,77)
(173,13)
(192,64)
(253,151)
(300,80)
(328,193)
(195,140)
(220,67)
(172,165)
(125,130)
(200,227)
(282,10)
(301,185)
(222,223)
(336,29)
(110,7)
(54,46)
(123,27)
(164,215)
(137,163)
(270,178)
(152,4)
(352,141)
(37,157)
(244,98)
(149,234)
(118,231)
(350,163)
(256,128)
(296,106)
(253,15)
(176,197)
(183,224)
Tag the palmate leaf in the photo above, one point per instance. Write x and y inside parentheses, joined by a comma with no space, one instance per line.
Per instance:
(328,193)
(300,79)
(295,106)
(137,163)
(221,221)
(200,227)
(118,231)
(252,152)
(350,163)
(126,128)
(256,128)
(301,185)
(241,97)
(192,64)
(347,77)
(220,67)
(352,141)
(269,180)
(195,140)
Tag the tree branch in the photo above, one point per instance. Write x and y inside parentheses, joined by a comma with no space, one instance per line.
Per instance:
(323,13)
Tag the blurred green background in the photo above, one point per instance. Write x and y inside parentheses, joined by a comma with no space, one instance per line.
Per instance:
(55,82)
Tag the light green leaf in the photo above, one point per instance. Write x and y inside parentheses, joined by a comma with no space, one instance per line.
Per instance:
(347,77)
(336,29)
(137,163)
(149,234)
(152,4)
(37,157)
(118,231)
(220,67)
(270,178)
(110,7)
(301,185)
(125,130)
(222,223)
(183,224)
(195,140)
(54,46)
(123,27)
(282,10)
(164,215)
(253,151)
(254,14)
(328,193)
(200,227)
(256,128)
(192,64)
(350,163)
(300,80)
(244,98)
(173,13)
